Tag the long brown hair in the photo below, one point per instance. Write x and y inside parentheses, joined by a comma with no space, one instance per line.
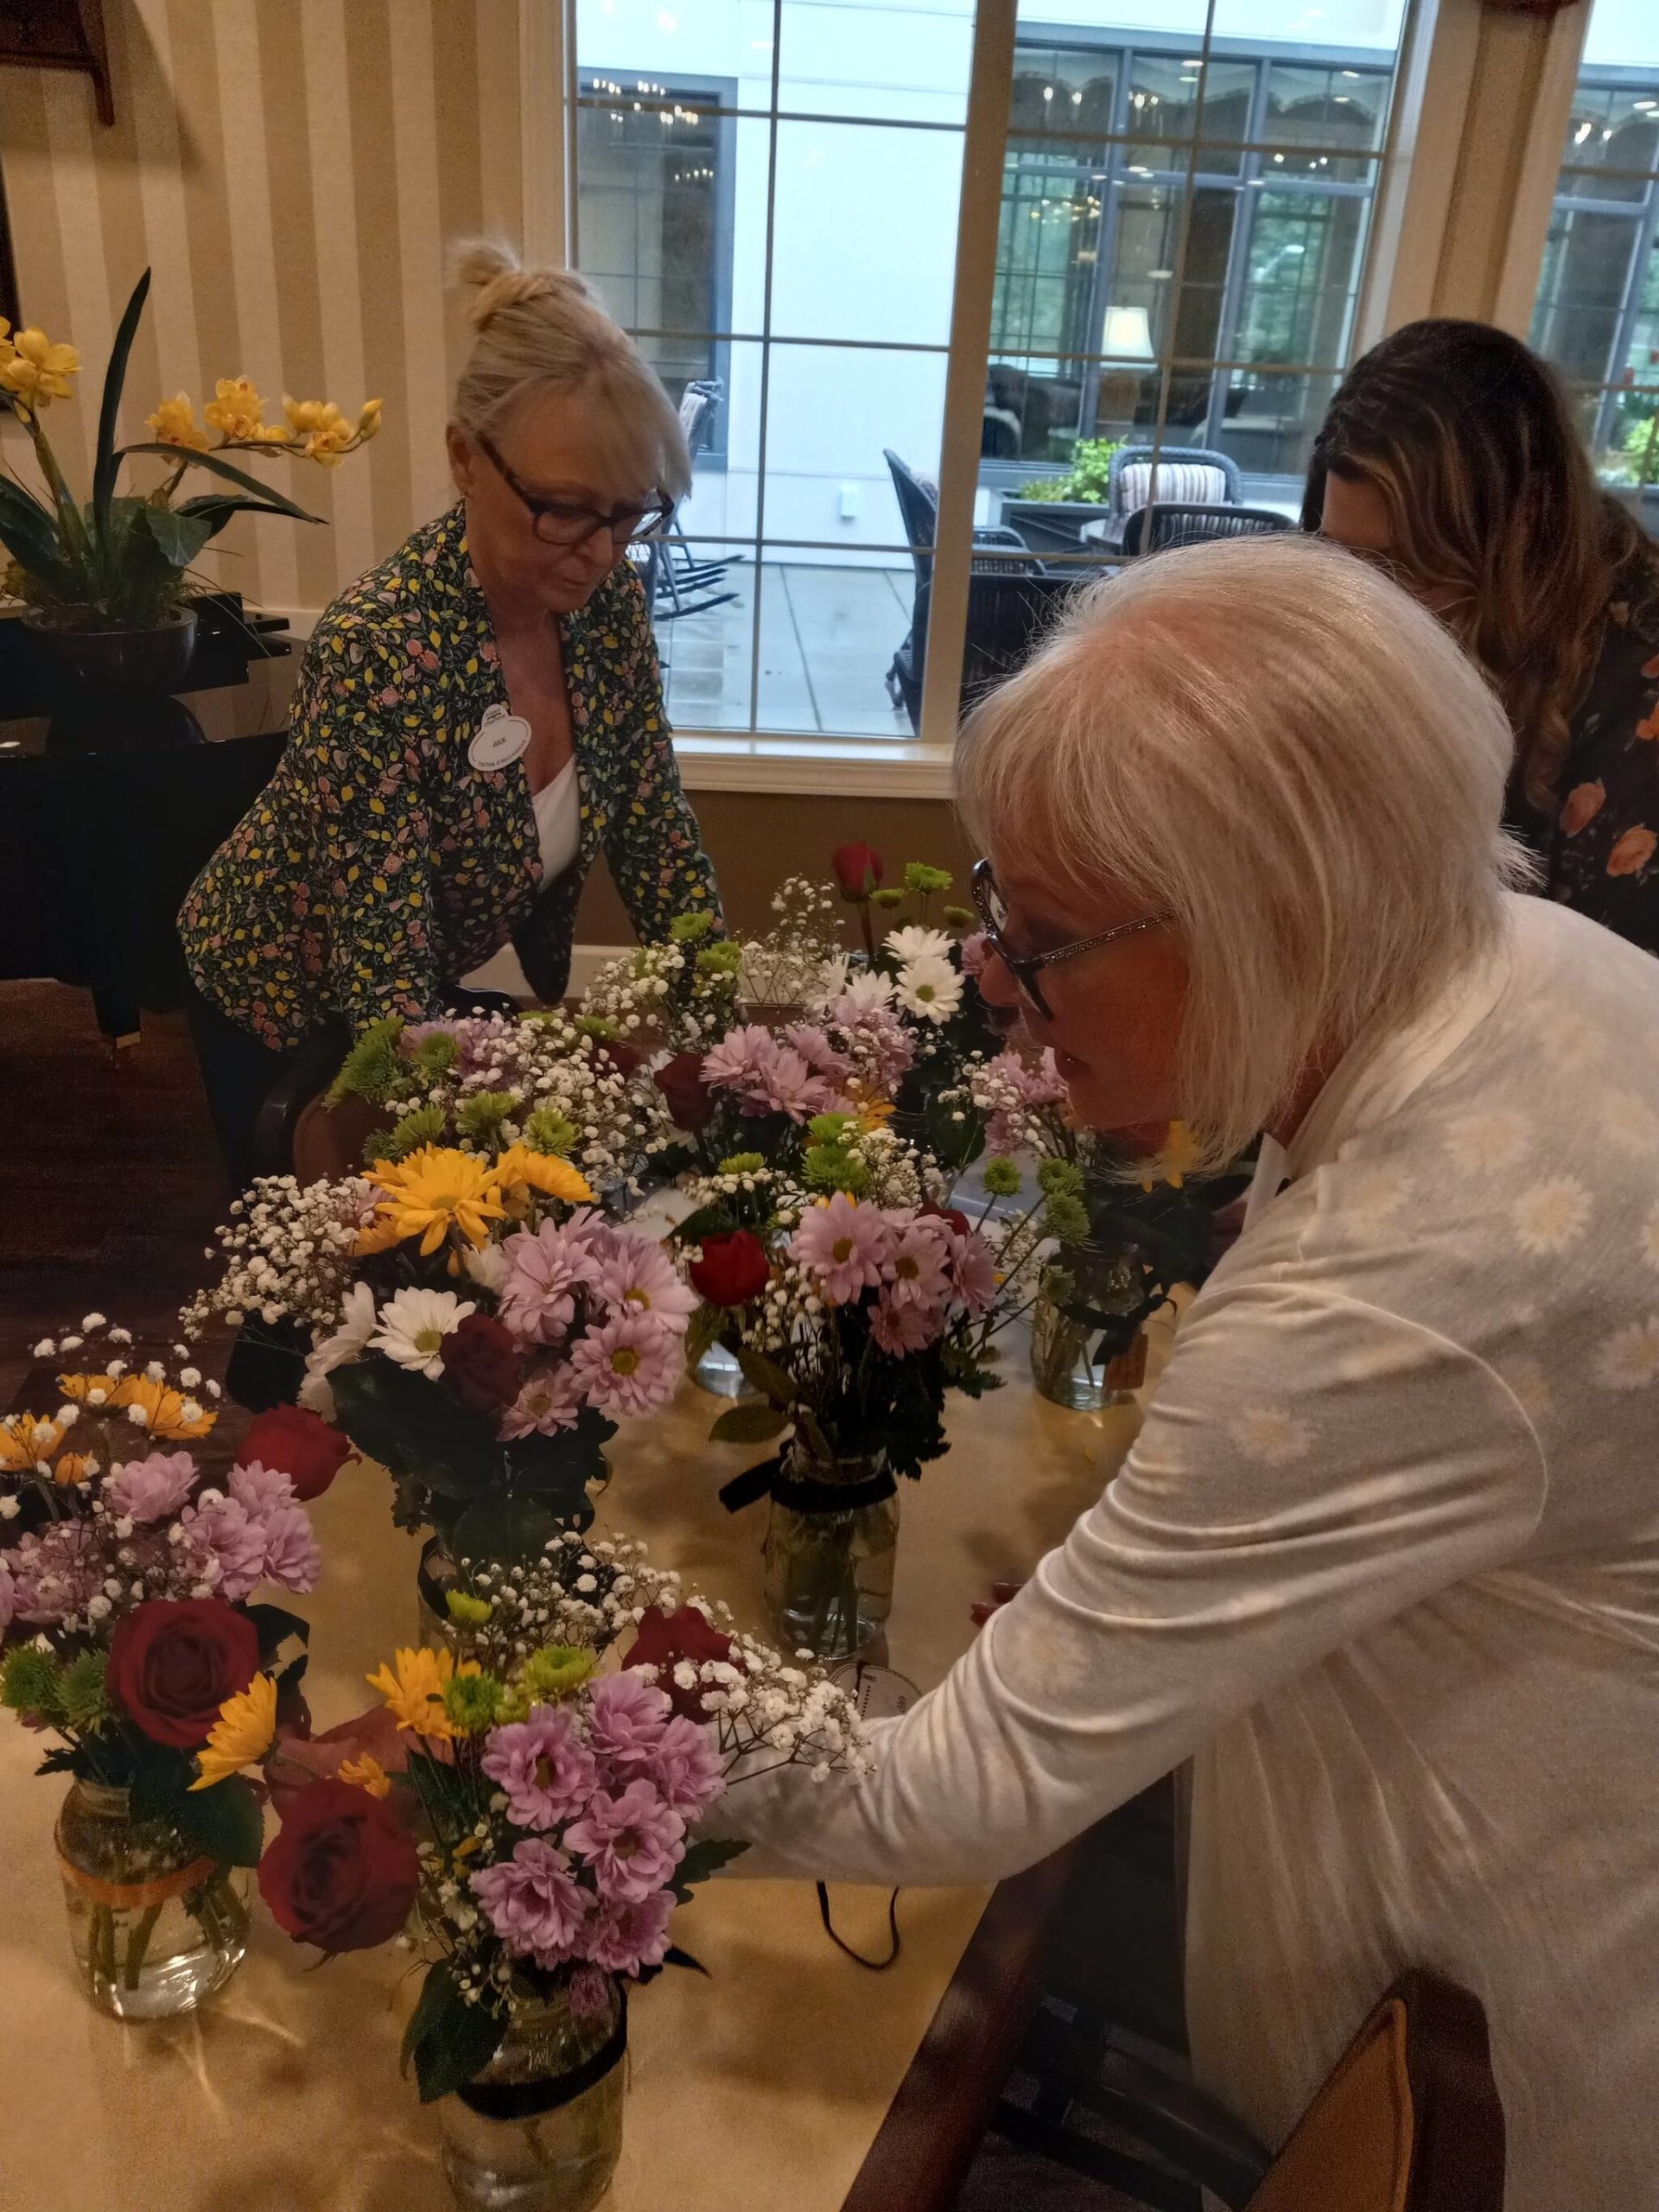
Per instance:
(1470,440)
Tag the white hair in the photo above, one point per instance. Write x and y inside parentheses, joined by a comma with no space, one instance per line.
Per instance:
(1273,745)
(543,329)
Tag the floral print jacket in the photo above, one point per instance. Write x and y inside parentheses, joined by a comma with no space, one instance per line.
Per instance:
(1603,852)
(378,866)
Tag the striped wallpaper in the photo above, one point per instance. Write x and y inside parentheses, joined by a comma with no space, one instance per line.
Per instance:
(289,170)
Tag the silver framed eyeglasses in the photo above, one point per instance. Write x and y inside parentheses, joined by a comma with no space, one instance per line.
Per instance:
(1026,967)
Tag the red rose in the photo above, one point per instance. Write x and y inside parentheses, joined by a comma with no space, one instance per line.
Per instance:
(482,1363)
(343,1871)
(689,1099)
(175,1661)
(665,1639)
(623,1057)
(299,1445)
(952,1215)
(732,1269)
(858,868)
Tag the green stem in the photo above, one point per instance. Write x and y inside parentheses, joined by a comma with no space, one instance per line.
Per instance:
(71,528)
(139,1943)
(101,1947)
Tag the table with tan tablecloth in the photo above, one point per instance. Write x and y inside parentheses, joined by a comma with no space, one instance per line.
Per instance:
(760,2087)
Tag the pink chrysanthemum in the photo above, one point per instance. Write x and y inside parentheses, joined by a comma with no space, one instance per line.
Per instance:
(973,1271)
(915,1268)
(624,1937)
(630,1365)
(639,1276)
(845,1245)
(901,1330)
(544,1275)
(259,1489)
(546,1770)
(534,1903)
(632,1842)
(152,1489)
(626,1720)
(233,1536)
(293,1555)
(548,1398)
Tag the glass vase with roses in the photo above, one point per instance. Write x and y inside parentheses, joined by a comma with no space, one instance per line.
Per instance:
(130,1633)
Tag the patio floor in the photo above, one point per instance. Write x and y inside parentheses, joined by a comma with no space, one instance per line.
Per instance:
(827,636)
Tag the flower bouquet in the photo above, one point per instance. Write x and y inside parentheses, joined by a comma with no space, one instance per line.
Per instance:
(1115,1231)
(538,1830)
(476,1324)
(852,1302)
(130,1632)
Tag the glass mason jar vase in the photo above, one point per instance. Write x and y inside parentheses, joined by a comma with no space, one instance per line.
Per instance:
(829,1567)
(154,1925)
(718,1373)
(1062,1363)
(540,2128)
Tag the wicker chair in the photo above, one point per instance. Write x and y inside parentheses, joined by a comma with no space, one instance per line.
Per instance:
(919,506)
(1157,529)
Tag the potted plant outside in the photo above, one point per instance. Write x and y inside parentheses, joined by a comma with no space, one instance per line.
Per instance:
(1050,512)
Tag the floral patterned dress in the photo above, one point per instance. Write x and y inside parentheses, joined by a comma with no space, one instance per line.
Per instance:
(379,865)
(1602,854)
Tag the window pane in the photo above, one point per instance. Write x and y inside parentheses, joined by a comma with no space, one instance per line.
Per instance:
(1164,109)
(1588,265)
(826,170)
(1611,128)
(1063,88)
(1329,106)
(866,57)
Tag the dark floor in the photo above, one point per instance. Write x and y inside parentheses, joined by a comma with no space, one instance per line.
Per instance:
(111,1188)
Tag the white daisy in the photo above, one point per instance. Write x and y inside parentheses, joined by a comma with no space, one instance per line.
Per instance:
(488,1266)
(414,1325)
(1271,1437)
(930,988)
(1650,1239)
(1630,1122)
(1552,1216)
(1630,1360)
(915,942)
(867,992)
(1482,1143)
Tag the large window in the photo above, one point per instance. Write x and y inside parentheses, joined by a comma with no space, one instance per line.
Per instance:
(1260,161)
(1597,314)
(768,193)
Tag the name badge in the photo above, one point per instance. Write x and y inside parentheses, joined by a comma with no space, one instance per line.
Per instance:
(499,739)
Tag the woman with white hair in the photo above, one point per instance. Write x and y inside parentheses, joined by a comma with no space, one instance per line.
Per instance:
(1385,1561)
(476,718)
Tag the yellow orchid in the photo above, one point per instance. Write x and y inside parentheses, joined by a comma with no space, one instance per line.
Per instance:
(36,370)
(242,1733)
(365,1773)
(173,423)
(518,1170)
(236,410)
(7,349)
(414,1695)
(25,1440)
(368,422)
(1180,1154)
(325,429)
(436,1189)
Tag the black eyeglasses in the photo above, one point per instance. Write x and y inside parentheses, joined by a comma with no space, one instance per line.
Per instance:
(560,522)
(1025,967)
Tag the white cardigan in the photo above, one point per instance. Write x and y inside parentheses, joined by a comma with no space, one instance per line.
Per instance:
(1384,1563)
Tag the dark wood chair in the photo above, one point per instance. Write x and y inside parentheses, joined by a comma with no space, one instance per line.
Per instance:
(1409,2119)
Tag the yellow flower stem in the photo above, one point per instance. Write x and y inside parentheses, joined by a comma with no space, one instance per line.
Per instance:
(70,527)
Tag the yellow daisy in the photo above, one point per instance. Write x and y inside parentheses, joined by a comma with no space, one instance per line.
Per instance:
(75,1467)
(415,1694)
(1176,1161)
(366,1773)
(242,1733)
(25,1440)
(166,1412)
(437,1189)
(519,1169)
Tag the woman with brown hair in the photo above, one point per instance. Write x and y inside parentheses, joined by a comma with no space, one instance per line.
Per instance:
(1450,458)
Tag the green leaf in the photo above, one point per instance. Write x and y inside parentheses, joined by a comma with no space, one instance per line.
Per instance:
(180,538)
(30,533)
(457,2039)
(702,1333)
(415,1426)
(706,1221)
(275,1624)
(109,461)
(511,1529)
(161,1778)
(674,1956)
(817,1442)
(216,508)
(767,1376)
(749,1424)
(210,461)
(701,1860)
(436,1990)
(225,1821)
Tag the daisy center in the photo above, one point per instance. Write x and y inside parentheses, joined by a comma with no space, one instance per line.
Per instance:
(625,1360)
(926,991)
(906,1266)
(635,1296)
(543,1772)
(842,1250)
(428,1340)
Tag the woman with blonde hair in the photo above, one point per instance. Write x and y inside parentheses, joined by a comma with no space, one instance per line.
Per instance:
(1450,455)
(475,720)
(1383,1562)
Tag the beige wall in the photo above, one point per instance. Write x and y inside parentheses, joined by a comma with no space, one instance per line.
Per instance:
(290,174)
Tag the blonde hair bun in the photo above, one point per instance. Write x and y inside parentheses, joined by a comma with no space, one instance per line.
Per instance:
(498,280)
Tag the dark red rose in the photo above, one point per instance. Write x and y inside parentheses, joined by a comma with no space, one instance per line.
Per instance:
(623,1057)
(299,1445)
(343,1871)
(482,1363)
(953,1215)
(175,1661)
(666,1638)
(858,868)
(733,1269)
(689,1099)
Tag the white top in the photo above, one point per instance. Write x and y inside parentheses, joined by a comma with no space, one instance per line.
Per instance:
(1384,1563)
(558,835)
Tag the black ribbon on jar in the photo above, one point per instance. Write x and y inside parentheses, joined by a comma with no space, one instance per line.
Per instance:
(530,2099)
(803,1493)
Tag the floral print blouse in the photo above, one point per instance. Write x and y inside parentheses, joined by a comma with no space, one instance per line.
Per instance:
(1603,852)
(379,864)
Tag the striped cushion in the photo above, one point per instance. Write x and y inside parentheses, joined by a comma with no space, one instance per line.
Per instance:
(1184,483)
